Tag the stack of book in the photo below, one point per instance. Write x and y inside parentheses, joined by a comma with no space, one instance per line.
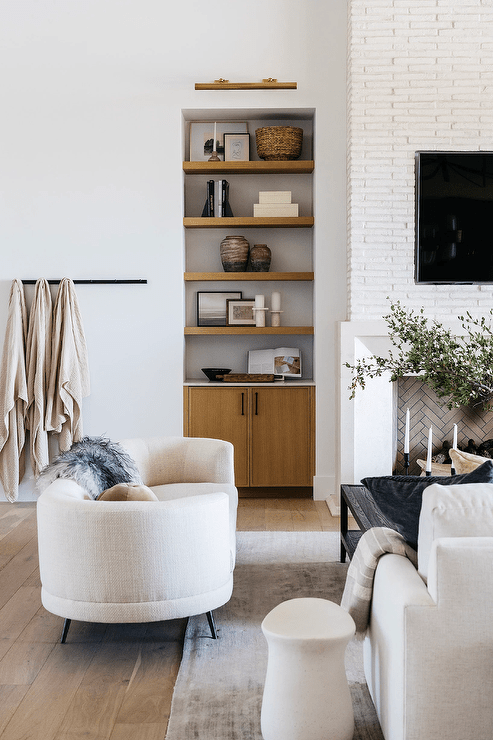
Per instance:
(217,200)
(275,203)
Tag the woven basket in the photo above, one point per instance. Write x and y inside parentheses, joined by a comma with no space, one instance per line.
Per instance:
(279,142)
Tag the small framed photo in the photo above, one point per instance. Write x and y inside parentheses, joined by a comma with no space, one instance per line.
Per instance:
(240,312)
(211,307)
(202,137)
(236,147)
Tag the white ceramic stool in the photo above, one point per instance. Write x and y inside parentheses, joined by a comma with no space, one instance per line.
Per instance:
(306,694)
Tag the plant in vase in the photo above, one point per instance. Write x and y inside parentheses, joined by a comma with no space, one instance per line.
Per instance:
(459,369)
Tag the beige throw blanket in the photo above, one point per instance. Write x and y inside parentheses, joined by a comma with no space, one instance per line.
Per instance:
(13,394)
(38,356)
(69,376)
(358,590)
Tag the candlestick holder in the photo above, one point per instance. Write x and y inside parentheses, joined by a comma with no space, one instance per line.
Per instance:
(428,473)
(259,314)
(214,157)
(275,319)
(406,462)
(452,470)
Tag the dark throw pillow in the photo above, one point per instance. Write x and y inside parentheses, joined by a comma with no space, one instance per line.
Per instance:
(399,496)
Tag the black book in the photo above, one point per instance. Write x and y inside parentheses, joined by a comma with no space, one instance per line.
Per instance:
(208,209)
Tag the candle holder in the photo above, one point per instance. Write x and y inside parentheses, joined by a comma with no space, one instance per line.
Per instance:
(406,462)
(214,157)
(275,319)
(259,314)
(452,470)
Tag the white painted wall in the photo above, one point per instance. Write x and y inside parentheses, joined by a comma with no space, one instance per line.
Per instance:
(91,181)
(420,78)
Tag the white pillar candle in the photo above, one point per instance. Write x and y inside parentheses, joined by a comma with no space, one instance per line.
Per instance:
(276,302)
(454,443)
(259,301)
(406,432)
(428,457)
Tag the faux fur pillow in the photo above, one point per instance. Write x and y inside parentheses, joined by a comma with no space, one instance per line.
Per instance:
(95,463)
(464,462)
(128,492)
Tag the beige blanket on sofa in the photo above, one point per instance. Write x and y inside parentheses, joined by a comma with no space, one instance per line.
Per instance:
(358,590)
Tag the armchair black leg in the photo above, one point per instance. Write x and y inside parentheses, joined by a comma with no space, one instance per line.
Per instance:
(210,619)
(66,626)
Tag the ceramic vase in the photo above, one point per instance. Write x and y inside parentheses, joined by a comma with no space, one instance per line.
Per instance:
(234,253)
(260,257)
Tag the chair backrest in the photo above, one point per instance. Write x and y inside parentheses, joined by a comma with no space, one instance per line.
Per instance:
(163,460)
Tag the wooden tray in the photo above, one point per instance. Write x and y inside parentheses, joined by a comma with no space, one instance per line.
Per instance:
(248,378)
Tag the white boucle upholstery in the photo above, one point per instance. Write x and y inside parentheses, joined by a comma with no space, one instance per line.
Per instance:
(140,561)
(429,649)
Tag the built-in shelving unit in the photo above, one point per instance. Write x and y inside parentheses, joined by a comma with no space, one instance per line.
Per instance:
(290,240)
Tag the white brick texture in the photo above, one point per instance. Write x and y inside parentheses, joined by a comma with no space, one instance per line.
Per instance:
(420,76)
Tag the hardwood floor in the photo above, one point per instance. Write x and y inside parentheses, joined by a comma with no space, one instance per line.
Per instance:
(107,682)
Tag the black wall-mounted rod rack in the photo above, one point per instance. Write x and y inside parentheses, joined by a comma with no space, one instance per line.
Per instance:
(138,281)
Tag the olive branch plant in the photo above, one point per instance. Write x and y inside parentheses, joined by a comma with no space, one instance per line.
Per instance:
(459,369)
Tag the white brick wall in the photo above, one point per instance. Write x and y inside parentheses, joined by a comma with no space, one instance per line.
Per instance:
(420,77)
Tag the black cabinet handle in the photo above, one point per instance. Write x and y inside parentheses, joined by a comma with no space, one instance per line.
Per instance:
(256,403)
(243,404)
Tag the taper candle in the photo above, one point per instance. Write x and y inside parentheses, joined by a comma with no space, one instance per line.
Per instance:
(214,143)
(454,443)
(406,432)
(428,457)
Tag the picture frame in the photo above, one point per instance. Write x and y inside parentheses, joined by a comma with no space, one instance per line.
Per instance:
(239,312)
(236,147)
(212,306)
(202,137)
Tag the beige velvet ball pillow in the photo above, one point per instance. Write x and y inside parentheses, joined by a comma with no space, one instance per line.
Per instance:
(128,492)
(465,462)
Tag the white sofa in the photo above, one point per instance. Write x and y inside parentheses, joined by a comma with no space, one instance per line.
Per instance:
(141,561)
(429,649)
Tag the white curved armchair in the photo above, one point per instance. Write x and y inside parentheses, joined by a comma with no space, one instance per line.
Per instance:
(142,561)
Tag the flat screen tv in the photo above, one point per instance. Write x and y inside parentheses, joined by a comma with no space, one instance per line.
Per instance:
(454,217)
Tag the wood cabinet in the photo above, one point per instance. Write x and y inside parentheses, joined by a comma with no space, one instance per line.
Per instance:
(271,428)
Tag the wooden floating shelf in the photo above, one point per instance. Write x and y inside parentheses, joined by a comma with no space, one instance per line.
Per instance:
(247,222)
(218,330)
(246,276)
(227,85)
(290,167)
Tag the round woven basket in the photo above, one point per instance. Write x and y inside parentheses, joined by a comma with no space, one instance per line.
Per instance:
(279,142)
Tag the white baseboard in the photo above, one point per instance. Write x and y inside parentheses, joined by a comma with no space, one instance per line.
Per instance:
(323,486)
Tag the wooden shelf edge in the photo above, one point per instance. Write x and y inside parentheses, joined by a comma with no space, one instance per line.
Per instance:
(245,222)
(225,330)
(289,167)
(246,86)
(247,276)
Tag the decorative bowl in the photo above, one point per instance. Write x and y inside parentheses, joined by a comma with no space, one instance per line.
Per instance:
(213,372)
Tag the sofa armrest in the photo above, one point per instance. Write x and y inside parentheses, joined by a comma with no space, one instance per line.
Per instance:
(163,460)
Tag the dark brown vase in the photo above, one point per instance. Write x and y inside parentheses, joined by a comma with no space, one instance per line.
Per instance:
(234,253)
(260,256)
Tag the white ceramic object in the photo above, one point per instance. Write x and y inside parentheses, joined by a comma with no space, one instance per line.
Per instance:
(306,694)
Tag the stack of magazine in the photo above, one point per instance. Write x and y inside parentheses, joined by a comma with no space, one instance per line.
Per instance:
(217,199)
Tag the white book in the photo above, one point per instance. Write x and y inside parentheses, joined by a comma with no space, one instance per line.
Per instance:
(274,196)
(218,198)
(275,209)
(285,361)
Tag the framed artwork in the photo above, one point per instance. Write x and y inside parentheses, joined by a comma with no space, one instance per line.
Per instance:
(236,147)
(240,312)
(202,137)
(211,306)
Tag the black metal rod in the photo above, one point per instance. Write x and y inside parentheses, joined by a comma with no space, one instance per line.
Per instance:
(137,281)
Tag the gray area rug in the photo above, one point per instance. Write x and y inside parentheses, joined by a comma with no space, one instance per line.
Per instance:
(218,692)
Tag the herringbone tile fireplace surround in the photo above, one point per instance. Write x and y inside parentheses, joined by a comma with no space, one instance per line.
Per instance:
(426,411)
